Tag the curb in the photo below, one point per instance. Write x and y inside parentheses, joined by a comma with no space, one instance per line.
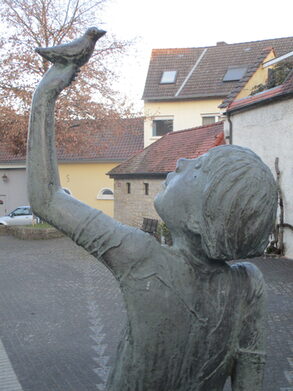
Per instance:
(26,233)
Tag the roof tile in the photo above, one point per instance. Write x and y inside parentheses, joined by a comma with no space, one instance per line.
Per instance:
(107,143)
(161,156)
(206,80)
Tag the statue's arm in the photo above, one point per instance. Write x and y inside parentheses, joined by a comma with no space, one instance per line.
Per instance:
(250,361)
(96,232)
(46,196)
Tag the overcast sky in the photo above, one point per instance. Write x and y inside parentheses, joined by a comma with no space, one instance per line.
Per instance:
(190,23)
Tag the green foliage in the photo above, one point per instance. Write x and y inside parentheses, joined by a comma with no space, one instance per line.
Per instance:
(276,77)
(163,232)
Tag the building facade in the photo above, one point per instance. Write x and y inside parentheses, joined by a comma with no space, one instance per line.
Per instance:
(185,87)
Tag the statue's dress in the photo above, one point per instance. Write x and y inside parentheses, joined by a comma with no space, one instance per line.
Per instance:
(187,322)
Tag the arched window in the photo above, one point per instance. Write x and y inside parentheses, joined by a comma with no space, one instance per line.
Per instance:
(105,194)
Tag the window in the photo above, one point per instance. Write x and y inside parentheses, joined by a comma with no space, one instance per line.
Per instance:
(208,119)
(128,187)
(234,73)
(22,211)
(168,77)
(105,194)
(162,126)
(146,188)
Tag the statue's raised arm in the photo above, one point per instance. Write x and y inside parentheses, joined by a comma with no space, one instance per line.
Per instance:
(47,198)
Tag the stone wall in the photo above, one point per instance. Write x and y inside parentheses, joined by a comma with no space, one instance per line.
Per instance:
(131,207)
(30,233)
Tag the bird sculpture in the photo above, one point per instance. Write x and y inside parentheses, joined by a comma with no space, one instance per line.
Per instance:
(77,52)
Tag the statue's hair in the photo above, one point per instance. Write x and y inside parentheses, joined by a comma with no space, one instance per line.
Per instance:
(239,204)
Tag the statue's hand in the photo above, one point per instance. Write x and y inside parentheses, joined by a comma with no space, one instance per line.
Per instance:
(58,77)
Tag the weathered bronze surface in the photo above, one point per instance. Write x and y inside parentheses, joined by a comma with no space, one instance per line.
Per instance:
(193,320)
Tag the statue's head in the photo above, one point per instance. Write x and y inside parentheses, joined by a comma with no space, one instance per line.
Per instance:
(94,33)
(227,197)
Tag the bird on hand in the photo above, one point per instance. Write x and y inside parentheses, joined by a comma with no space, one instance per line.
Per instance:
(77,52)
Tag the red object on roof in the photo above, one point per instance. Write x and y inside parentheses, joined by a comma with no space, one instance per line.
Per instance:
(161,156)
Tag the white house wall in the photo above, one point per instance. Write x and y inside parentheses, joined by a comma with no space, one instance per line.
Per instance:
(268,131)
(13,191)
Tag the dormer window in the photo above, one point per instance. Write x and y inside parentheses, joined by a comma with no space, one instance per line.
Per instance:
(235,73)
(168,77)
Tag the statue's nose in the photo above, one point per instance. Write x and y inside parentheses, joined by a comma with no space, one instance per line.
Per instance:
(181,164)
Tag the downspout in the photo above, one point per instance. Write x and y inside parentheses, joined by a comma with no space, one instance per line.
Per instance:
(230,128)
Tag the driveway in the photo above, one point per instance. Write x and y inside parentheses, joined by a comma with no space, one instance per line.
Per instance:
(62,315)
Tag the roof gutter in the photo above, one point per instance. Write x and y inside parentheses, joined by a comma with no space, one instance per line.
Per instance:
(263,102)
(159,175)
(277,59)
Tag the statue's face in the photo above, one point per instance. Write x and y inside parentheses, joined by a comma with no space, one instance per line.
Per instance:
(179,203)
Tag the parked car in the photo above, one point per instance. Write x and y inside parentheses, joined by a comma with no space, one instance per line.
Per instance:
(20,216)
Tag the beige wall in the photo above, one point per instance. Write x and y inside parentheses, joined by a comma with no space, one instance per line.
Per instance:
(132,208)
(86,180)
(185,114)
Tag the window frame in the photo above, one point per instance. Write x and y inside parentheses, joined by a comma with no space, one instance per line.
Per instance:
(161,119)
(217,116)
(168,77)
(232,69)
(102,196)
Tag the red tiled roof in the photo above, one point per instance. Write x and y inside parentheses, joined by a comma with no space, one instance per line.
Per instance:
(161,156)
(286,89)
(206,79)
(107,143)
(7,156)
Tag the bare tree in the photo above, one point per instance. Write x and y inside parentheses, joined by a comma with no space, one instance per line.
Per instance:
(33,23)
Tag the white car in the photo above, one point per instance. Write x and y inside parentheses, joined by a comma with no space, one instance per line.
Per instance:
(19,216)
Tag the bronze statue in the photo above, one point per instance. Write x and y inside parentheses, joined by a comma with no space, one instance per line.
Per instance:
(193,319)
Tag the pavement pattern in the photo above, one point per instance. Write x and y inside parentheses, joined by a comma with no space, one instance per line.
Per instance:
(62,315)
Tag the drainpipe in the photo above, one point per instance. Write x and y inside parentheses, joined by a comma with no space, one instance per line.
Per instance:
(230,128)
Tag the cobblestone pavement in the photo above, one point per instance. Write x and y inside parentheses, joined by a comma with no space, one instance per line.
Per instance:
(62,315)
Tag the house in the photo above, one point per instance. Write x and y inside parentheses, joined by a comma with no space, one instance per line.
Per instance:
(82,173)
(264,123)
(140,178)
(185,87)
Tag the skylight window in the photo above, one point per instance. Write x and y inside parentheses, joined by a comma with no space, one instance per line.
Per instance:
(168,77)
(234,73)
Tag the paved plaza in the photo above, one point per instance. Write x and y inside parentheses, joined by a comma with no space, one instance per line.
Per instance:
(62,316)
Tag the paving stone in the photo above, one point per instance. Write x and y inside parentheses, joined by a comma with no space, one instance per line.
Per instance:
(62,315)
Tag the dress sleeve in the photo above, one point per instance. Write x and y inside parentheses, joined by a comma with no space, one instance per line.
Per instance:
(118,246)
